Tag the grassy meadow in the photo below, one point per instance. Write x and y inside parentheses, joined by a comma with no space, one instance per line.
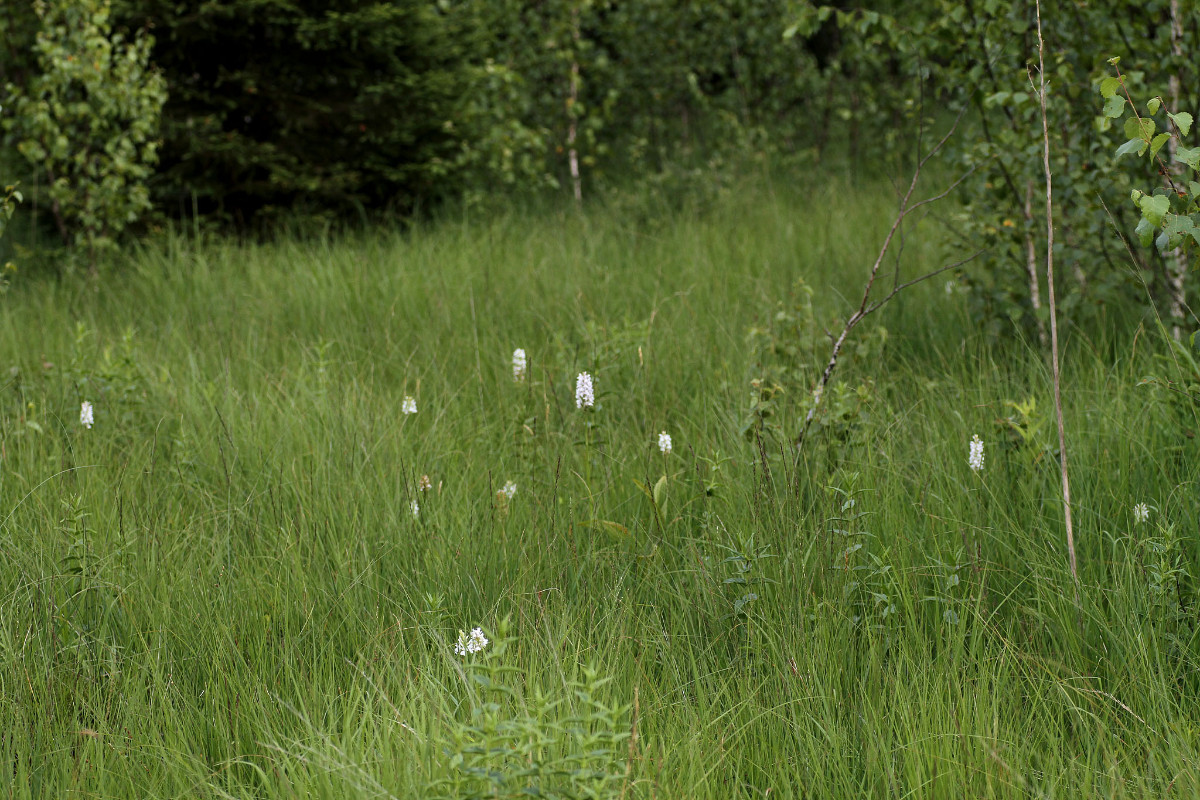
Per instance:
(221,589)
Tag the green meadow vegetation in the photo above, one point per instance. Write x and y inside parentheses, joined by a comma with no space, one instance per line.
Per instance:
(503,399)
(220,588)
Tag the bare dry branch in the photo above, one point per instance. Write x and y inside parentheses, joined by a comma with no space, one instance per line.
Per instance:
(866,306)
(900,287)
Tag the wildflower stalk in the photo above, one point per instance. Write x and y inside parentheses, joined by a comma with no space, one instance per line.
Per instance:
(664,447)
(587,467)
(585,400)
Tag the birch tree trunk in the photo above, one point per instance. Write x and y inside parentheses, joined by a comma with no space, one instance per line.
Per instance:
(1177,260)
(572,99)
(1035,296)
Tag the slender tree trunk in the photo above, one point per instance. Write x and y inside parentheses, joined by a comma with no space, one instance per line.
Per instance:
(59,221)
(572,99)
(1054,361)
(854,128)
(56,211)
(1177,260)
(1035,295)
(826,114)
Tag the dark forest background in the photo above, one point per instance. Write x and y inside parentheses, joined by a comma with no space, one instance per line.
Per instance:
(357,110)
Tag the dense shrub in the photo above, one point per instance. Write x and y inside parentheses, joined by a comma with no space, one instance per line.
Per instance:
(89,121)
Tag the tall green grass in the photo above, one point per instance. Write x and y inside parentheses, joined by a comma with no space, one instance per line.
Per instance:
(220,590)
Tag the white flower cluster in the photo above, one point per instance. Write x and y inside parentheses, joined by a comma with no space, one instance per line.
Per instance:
(86,418)
(471,642)
(415,508)
(409,406)
(1141,513)
(975,459)
(509,490)
(585,395)
(424,484)
(519,364)
(664,443)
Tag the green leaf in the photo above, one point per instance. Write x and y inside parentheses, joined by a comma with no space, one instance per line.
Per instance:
(1133,144)
(1145,232)
(1155,207)
(660,491)
(997,99)
(1114,106)
(1109,86)
(1179,225)
(1183,121)
(1189,156)
(1139,128)
(1157,143)
(1154,104)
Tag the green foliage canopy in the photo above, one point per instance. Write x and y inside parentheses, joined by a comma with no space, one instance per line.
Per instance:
(360,105)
